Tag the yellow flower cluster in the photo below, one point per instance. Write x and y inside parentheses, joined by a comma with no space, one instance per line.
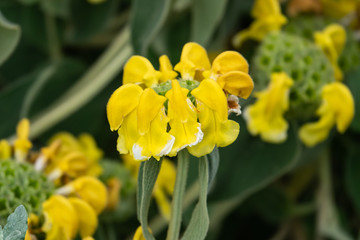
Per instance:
(265,117)
(73,166)
(143,117)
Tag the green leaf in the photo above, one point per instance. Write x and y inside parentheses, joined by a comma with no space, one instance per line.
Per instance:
(58,8)
(353,82)
(147,19)
(249,163)
(352,176)
(207,15)
(214,160)
(10,35)
(16,226)
(148,173)
(88,19)
(199,222)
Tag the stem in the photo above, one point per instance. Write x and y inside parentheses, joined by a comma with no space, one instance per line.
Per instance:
(178,196)
(53,41)
(158,223)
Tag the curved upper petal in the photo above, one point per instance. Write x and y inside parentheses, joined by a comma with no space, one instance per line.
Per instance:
(237,83)
(140,70)
(123,101)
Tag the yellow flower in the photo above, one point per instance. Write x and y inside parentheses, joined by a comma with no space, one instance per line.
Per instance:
(265,117)
(183,119)
(166,69)
(122,115)
(73,164)
(337,108)
(5,150)
(140,70)
(86,215)
(268,18)
(152,122)
(22,143)
(61,220)
(89,189)
(230,70)
(71,156)
(193,61)
(213,116)
(332,41)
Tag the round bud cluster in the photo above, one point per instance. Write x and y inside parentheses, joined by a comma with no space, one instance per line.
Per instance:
(300,59)
(21,184)
(305,26)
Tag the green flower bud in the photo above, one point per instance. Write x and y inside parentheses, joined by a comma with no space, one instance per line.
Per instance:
(21,184)
(303,61)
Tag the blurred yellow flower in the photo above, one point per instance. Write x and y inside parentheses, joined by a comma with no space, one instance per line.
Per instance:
(139,234)
(332,41)
(89,189)
(265,117)
(5,150)
(22,143)
(268,18)
(61,220)
(337,108)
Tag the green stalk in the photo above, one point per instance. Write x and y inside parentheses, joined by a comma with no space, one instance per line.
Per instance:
(178,196)
(53,41)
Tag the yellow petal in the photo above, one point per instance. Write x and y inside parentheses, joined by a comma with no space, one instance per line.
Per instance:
(265,117)
(22,143)
(313,133)
(150,104)
(332,41)
(193,59)
(237,83)
(341,102)
(5,150)
(128,134)
(87,217)
(92,191)
(139,234)
(183,119)
(114,186)
(211,94)
(73,164)
(166,69)
(229,61)
(61,220)
(163,203)
(156,142)
(89,147)
(139,70)
(122,102)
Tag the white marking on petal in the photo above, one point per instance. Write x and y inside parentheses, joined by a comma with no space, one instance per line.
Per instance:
(166,150)
(65,190)
(137,153)
(199,136)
